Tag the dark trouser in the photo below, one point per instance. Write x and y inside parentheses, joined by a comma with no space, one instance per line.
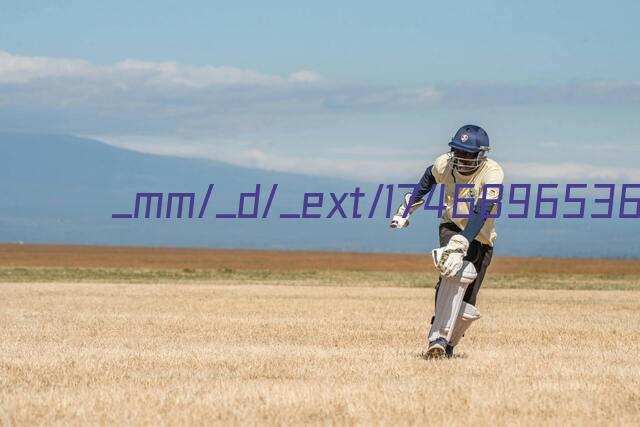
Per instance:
(478,254)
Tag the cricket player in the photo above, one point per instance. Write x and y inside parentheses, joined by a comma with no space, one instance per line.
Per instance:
(466,243)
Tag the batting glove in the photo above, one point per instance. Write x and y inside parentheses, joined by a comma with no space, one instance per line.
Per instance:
(453,256)
(401,219)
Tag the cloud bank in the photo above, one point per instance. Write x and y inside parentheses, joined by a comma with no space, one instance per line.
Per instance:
(224,103)
(152,95)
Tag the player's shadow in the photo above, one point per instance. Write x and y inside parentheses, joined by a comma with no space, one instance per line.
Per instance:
(423,355)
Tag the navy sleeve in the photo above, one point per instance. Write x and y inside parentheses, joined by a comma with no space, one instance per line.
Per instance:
(476,222)
(424,186)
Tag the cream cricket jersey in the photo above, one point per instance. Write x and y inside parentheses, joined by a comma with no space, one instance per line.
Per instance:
(489,172)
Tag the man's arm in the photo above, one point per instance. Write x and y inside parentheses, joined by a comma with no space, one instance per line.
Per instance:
(413,201)
(424,186)
(484,206)
(479,217)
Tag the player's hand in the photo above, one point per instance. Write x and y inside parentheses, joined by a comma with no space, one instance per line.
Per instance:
(401,218)
(398,221)
(453,254)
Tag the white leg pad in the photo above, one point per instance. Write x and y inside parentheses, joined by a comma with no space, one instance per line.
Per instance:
(449,302)
(468,314)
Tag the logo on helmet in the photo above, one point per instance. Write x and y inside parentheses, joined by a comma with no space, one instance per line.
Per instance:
(464,138)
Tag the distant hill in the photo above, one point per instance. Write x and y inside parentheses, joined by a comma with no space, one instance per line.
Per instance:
(64,189)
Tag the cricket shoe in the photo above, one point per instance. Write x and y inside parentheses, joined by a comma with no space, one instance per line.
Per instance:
(437,349)
(448,351)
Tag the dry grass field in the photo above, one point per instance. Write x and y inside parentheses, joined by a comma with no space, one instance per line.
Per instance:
(95,346)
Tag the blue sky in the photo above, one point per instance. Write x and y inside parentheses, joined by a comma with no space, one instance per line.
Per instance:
(410,43)
(369,90)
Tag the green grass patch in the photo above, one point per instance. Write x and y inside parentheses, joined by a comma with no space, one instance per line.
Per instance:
(311,278)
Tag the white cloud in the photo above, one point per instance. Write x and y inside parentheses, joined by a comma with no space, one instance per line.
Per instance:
(305,76)
(76,96)
(363,169)
(383,165)
(567,171)
(22,69)
(256,155)
(173,74)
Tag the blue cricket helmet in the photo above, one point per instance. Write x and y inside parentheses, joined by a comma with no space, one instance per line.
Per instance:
(470,138)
